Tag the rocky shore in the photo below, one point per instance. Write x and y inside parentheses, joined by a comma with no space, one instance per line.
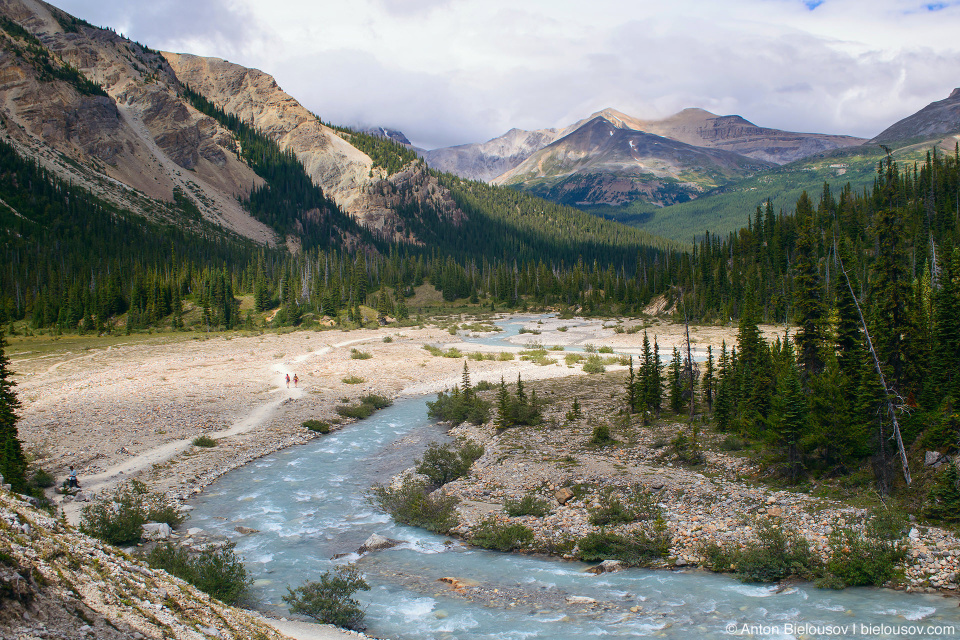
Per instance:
(712,503)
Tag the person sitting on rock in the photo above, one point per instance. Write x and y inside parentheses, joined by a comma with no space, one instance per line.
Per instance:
(72,482)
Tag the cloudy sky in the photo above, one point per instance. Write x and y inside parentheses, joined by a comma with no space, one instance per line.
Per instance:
(448,72)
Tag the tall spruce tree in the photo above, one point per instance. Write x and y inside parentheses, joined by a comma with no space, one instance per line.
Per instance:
(13,464)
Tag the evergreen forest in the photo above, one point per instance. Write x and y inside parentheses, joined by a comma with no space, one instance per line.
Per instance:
(869,280)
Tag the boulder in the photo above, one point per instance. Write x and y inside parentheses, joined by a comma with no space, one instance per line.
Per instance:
(581,600)
(607,566)
(459,584)
(157,530)
(563,495)
(376,542)
(245,530)
(934,459)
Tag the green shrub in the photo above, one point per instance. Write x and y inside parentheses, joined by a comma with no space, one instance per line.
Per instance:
(505,356)
(686,448)
(601,435)
(605,350)
(573,358)
(434,351)
(119,520)
(639,505)
(330,601)
(456,408)
(484,385)
(43,479)
(732,443)
(637,548)
(410,503)
(776,556)
(217,572)
(528,505)
(867,559)
(443,463)
(387,339)
(365,408)
(358,411)
(377,402)
(317,425)
(718,558)
(593,364)
(563,329)
(943,501)
(204,441)
(356,354)
(491,534)
(353,380)
(556,347)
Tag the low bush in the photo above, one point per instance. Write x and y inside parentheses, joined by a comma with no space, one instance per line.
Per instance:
(637,548)
(411,503)
(43,479)
(358,411)
(217,572)
(639,505)
(365,408)
(484,385)
(499,536)
(605,350)
(869,558)
(317,425)
(387,339)
(528,505)
(505,356)
(330,600)
(353,380)
(443,463)
(119,519)
(601,436)
(594,364)
(732,443)
(376,401)
(356,354)
(573,358)
(943,501)
(777,555)
(204,441)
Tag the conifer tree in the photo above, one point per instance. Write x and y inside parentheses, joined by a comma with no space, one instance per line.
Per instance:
(13,463)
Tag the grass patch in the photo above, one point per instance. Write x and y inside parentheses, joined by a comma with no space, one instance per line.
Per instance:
(356,354)
(353,380)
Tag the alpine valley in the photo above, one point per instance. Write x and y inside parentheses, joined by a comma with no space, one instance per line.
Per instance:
(624,347)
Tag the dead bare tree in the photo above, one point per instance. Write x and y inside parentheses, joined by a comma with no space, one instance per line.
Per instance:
(888,393)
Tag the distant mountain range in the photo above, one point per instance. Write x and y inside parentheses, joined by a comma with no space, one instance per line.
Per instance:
(623,167)
(117,118)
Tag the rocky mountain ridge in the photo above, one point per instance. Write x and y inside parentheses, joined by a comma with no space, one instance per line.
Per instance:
(110,115)
(937,119)
(603,162)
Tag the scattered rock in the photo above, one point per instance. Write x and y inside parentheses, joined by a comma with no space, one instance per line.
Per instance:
(459,584)
(581,600)
(934,459)
(376,542)
(607,566)
(245,530)
(157,530)
(563,496)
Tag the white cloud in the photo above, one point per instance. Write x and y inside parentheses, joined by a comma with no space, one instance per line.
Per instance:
(454,71)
